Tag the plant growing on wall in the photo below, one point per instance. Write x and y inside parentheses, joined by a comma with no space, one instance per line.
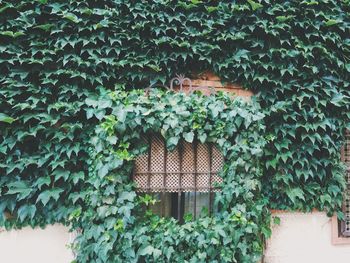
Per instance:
(57,55)
(116,229)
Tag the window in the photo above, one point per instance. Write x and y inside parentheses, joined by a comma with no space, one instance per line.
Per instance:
(345,225)
(341,229)
(183,181)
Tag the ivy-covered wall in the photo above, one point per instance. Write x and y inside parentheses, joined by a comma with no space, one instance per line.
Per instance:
(56,55)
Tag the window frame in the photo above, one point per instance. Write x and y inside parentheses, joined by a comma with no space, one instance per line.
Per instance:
(336,224)
(337,238)
(180,190)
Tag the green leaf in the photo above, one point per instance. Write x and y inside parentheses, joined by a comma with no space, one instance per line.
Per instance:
(172,141)
(276,220)
(211,9)
(189,136)
(310,3)
(72,17)
(149,250)
(21,188)
(332,22)
(4,8)
(154,67)
(126,196)
(202,137)
(45,27)
(283,18)
(295,193)
(26,211)
(11,34)
(326,198)
(266,232)
(338,100)
(6,118)
(45,196)
(42,181)
(255,5)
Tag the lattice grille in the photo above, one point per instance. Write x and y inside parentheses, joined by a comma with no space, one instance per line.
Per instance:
(345,225)
(189,168)
(346,149)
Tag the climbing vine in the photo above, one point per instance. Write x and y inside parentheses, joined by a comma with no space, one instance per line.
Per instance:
(115,219)
(59,58)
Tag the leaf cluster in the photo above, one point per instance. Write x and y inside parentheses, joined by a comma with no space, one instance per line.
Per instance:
(116,220)
(59,60)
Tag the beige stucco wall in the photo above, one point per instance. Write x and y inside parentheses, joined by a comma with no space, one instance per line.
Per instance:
(47,245)
(300,238)
(304,238)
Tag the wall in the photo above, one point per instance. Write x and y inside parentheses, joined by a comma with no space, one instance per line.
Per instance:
(304,238)
(36,246)
(300,238)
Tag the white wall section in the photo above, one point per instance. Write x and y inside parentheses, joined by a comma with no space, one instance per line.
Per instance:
(49,245)
(304,238)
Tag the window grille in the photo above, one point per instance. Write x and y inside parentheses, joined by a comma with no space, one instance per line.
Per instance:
(345,225)
(184,174)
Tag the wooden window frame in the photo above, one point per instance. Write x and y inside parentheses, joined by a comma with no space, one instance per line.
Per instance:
(337,225)
(144,172)
(337,238)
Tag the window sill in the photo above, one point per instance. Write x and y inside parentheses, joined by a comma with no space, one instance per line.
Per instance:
(336,239)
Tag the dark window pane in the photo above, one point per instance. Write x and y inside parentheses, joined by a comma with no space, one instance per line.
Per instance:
(178,205)
(200,207)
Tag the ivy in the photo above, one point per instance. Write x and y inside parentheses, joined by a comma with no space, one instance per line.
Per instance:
(115,218)
(58,58)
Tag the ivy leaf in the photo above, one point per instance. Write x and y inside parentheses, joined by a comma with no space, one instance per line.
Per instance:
(211,9)
(276,220)
(148,250)
(255,5)
(332,22)
(335,190)
(11,34)
(154,67)
(42,181)
(172,142)
(338,99)
(6,118)
(45,27)
(326,198)
(26,211)
(60,173)
(283,18)
(4,8)
(310,3)
(21,188)
(126,196)
(202,137)
(45,196)
(72,17)
(189,136)
(347,66)
(295,193)
(266,231)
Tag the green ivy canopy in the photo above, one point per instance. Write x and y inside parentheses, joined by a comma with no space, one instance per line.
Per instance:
(57,56)
(116,227)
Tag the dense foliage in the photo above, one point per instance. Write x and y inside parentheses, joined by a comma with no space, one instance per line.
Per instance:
(56,54)
(116,227)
